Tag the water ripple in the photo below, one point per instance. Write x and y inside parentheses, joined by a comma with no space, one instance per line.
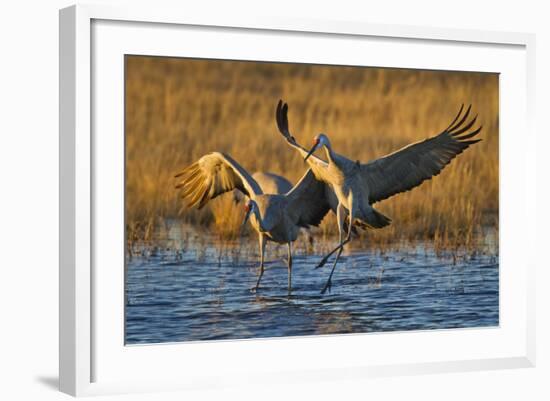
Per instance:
(210,299)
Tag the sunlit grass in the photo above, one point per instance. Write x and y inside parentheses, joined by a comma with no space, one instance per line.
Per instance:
(177,110)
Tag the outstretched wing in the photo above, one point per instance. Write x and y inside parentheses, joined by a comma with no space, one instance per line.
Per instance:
(211,176)
(307,201)
(410,166)
(281,115)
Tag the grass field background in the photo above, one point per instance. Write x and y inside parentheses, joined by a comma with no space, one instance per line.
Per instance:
(179,109)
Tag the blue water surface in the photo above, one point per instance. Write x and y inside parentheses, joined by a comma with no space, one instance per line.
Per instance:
(188,295)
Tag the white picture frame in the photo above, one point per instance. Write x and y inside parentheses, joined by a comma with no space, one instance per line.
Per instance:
(85,347)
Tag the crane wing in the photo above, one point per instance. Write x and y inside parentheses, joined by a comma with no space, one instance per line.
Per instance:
(281,115)
(213,175)
(272,183)
(410,166)
(307,201)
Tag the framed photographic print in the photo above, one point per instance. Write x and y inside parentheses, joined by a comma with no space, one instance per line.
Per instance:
(278,199)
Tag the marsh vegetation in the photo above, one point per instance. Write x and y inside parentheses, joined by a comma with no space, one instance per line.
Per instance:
(179,109)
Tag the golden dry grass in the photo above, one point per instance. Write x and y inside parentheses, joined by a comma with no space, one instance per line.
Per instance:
(179,109)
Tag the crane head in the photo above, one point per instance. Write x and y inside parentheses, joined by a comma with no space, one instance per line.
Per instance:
(318,141)
(248,208)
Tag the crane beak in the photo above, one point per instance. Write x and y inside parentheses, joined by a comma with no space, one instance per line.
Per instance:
(311,151)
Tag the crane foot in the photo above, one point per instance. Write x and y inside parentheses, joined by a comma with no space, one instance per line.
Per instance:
(322,262)
(327,286)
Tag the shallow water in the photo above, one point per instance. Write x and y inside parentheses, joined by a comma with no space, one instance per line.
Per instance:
(203,293)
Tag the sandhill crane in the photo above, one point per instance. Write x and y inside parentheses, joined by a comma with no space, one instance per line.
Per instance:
(358,186)
(276,218)
(273,184)
(270,183)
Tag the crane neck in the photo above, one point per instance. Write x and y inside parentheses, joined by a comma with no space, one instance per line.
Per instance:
(259,219)
(328,152)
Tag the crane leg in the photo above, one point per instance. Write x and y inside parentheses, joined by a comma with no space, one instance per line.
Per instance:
(289,268)
(328,255)
(339,216)
(262,252)
(350,229)
(340,247)
(328,284)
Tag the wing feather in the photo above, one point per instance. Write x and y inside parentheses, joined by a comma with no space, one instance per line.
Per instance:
(412,165)
(212,175)
(308,201)
(281,116)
